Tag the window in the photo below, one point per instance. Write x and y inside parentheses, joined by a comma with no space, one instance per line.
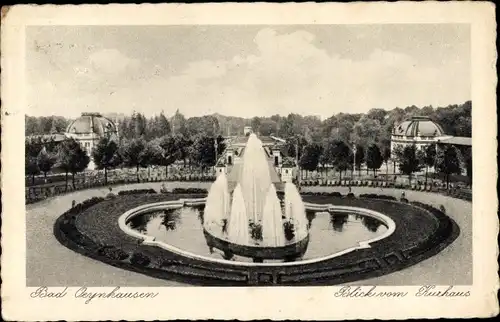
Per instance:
(229,160)
(276,159)
(286,171)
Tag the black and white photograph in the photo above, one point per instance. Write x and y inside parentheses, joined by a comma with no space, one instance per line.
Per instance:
(249,155)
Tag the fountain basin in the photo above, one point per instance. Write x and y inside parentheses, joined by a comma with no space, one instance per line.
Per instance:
(290,251)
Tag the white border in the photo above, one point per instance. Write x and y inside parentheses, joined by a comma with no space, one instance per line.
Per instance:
(318,303)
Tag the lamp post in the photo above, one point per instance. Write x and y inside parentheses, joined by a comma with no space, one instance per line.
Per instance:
(297,161)
(354,149)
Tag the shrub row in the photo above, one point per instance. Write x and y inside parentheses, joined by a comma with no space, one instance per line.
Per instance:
(136,192)
(330,194)
(376,196)
(189,190)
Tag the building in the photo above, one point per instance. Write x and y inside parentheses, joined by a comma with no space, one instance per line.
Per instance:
(419,130)
(89,128)
(230,161)
(247,130)
(422,131)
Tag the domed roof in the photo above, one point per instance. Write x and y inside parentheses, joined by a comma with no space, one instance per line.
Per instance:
(91,123)
(418,126)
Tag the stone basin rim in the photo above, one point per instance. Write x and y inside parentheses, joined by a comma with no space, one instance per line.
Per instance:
(175,204)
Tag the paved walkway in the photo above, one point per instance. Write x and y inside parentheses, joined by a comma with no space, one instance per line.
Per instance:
(48,263)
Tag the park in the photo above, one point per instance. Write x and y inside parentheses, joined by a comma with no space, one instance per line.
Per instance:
(281,200)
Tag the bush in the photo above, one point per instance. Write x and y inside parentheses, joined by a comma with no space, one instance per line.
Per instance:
(350,195)
(256,231)
(140,259)
(289,229)
(112,253)
(136,192)
(189,191)
(375,196)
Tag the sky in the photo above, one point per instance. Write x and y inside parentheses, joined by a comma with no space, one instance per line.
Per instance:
(245,70)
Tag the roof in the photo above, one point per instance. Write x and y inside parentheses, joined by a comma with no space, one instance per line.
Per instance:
(91,123)
(288,162)
(456,140)
(419,126)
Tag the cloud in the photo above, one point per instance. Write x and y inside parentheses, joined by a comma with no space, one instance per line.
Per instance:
(288,73)
(111,61)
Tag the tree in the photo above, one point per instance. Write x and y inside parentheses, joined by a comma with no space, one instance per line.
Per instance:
(310,157)
(428,158)
(31,151)
(397,154)
(130,151)
(203,151)
(150,155)
(408,161)
(255,124)
(340,155)
(467,156)
(360,157)
(45,161)
(171,150)
(373,158)
(163,125)
(267,127)
(178,124)
(366,131)
(447,162)
(72,158)
(138,124)
(106,156)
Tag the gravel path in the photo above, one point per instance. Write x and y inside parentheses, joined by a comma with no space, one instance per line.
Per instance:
(48,263)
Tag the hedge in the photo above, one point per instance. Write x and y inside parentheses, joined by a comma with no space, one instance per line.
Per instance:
(375,196)
(136,192)
(189,190)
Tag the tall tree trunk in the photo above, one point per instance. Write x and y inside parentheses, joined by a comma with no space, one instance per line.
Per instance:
(33,180)
(426,169)
(137,173)
(409,179)
(105,175)
(340,173)
(73,179)
(66,180)
(394,167)
(166,171)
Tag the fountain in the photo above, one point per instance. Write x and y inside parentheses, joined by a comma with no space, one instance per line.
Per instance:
(254,220)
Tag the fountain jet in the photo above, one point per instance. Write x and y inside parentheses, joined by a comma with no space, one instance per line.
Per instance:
(295,210)
(272,224)
(255,178)
(238,221)
(217,205)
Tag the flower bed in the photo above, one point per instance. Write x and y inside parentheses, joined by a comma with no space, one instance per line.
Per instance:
(92,229)
(136,192)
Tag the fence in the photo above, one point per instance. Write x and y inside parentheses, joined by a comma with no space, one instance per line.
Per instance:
(38,193)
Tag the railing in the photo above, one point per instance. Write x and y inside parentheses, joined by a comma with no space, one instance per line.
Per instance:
(39,193)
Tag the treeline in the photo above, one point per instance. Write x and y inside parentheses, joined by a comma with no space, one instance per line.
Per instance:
(375,126)
(41,156)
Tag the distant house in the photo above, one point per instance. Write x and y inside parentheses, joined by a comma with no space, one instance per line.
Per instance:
(89,128)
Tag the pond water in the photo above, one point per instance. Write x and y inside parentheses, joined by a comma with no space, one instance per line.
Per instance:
(329,232)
